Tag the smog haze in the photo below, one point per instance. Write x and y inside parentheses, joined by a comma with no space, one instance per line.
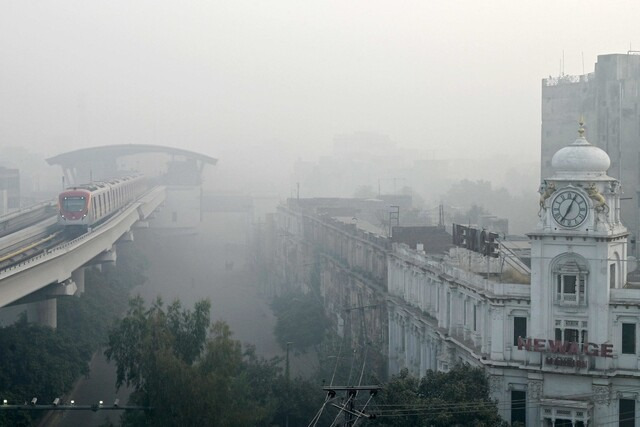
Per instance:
(262,84)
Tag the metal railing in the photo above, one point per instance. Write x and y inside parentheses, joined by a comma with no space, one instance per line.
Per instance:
(65,247)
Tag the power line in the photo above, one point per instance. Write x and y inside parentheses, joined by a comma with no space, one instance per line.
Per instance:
(72,407)
(405,410)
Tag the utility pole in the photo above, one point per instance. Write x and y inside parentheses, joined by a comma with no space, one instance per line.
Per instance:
(286,376)
(351,414)
(347,408)
(394,217)
(286,369)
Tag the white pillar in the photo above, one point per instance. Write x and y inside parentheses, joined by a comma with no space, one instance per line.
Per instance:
(78,277)
(44,313)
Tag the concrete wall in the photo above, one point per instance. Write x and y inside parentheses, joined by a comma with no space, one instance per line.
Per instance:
(609,99)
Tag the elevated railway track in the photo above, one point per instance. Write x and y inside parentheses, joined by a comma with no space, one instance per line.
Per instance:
(43,253)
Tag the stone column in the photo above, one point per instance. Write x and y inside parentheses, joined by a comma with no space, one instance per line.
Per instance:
(428,356)
(497,333)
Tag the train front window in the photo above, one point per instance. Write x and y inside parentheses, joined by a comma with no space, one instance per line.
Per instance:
(73,204)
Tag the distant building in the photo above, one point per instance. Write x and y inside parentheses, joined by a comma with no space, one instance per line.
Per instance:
(609,100)
(325,247)
(493,223)
(560,346)
(335,247)
(9,190)
(429,239)
(179,170)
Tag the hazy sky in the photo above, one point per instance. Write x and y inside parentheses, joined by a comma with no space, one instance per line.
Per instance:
(457,77)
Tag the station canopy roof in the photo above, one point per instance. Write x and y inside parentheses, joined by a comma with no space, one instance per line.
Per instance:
(105,152)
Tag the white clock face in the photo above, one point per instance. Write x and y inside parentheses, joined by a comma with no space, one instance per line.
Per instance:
(569,209)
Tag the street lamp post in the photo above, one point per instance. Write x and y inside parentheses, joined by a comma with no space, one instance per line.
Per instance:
(286,376)
(286,368)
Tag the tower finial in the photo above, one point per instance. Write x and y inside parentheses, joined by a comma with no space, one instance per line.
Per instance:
(581,129)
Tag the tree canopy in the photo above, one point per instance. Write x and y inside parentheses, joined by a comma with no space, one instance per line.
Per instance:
(37,361)
(459,397)
(301,320)
(190,373)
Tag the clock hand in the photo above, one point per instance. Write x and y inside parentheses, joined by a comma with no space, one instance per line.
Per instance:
(569,208)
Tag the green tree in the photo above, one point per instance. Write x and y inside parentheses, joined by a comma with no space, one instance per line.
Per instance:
(188,377)
(301,320)
(41,363)
(459,397)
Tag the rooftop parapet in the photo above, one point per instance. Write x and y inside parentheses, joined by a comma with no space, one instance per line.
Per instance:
(459,275)
(567,79)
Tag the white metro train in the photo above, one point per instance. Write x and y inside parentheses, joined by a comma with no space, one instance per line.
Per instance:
(88,204)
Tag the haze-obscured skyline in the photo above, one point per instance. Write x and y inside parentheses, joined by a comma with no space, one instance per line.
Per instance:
(454,78)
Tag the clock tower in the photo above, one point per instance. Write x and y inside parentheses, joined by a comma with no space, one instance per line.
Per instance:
(578,249)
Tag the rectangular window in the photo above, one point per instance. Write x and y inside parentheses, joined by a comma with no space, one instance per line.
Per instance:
(571,335)
(627,413)
(519,329)
(568,330)
(612,276)
(569,284)
(518,407)
(570,289)
(628,338)
(73,204)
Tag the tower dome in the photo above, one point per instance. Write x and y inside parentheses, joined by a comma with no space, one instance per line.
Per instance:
(581,160)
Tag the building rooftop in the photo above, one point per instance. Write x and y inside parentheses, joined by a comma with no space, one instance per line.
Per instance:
(362,225)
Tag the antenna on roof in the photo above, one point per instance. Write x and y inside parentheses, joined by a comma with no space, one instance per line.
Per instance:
(560,71)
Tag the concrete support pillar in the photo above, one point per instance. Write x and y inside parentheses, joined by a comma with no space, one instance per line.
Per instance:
(78,277)
(126,237)
(108,256)
(44,313)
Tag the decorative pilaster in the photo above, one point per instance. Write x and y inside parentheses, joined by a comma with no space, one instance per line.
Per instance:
(535,390)
(601,394)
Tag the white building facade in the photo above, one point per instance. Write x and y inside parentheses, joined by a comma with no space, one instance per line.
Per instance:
(561,350)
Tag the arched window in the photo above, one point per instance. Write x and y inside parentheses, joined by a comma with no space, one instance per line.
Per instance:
(570,274)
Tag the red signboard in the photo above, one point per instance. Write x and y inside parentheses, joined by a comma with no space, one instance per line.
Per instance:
(565,347)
